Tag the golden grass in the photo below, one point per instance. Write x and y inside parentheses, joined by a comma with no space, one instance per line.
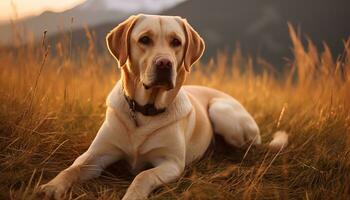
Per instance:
(51,107)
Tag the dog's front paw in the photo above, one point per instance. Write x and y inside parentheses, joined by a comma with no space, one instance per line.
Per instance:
(134,195)
(52,190)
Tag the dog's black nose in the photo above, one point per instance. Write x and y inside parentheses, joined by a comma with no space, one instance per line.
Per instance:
(163,63)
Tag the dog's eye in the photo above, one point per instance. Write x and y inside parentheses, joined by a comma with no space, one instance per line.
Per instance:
(145,40)
(175,43)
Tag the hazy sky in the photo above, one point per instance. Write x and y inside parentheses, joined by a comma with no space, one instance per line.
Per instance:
(32,7)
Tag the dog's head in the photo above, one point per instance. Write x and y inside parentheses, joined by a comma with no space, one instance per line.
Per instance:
(155,49)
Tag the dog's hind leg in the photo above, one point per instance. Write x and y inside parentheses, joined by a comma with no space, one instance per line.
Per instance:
(233,122)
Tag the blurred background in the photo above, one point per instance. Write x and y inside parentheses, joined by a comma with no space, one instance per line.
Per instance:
(53,94)
(258,27)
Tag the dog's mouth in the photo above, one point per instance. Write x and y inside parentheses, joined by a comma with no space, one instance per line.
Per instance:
(159,85)
(162,79)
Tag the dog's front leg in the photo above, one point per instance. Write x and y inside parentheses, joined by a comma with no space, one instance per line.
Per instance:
(87,166)
(145,182)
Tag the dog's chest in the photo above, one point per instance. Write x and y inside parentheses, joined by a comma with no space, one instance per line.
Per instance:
(140,147)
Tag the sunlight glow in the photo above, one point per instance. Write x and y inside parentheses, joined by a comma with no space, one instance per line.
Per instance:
(16,9)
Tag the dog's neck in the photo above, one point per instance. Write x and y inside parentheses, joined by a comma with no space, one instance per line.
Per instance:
(147,110)
(134,89)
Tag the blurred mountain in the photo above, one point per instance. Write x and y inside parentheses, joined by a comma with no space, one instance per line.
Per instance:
(89,13)
(260,27)
(129,6)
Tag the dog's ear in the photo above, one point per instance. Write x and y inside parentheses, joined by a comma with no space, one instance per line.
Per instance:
(194,46)
(118,40)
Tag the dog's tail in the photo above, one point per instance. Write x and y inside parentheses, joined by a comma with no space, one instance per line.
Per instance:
(279,141)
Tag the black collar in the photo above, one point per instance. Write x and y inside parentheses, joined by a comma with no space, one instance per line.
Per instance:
(147,110)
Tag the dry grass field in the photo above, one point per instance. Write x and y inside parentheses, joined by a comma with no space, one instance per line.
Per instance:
(51,106)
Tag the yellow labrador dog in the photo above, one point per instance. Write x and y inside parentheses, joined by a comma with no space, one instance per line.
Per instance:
(151,118)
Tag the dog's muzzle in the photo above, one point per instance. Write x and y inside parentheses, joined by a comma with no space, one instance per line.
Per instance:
(163,74)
